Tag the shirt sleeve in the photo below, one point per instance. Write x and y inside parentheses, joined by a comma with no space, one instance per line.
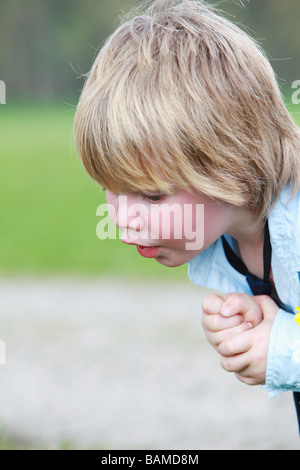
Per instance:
(283,365)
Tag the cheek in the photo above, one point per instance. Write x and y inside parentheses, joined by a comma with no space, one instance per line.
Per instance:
(166,224)
(177,225)
(213,223)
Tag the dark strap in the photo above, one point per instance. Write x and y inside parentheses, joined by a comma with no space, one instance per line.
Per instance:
(258,286)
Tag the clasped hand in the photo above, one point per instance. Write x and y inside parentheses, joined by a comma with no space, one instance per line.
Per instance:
(238,326)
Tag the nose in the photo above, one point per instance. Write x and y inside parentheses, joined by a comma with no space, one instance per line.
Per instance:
(129,214)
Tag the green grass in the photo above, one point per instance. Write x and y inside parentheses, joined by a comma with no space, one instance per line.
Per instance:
(48,203)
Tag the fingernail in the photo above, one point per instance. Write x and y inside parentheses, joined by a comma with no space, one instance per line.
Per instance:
(250,325)
(226,311)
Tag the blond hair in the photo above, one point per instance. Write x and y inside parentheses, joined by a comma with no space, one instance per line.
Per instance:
(180,97)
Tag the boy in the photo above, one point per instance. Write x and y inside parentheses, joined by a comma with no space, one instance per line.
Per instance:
(182,109)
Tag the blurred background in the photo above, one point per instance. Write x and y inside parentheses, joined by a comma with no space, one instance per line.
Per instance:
(85,320)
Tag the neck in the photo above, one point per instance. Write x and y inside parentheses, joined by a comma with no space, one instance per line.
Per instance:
(247,230)
(249,234)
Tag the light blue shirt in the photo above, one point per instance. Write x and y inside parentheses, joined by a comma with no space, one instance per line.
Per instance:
(211,269)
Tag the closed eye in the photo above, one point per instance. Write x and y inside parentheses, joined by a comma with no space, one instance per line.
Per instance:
(153,197)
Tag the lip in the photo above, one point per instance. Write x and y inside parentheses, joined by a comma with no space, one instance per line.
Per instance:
(148,251)
(145,251)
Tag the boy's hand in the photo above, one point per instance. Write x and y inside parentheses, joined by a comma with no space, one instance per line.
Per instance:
(243,348)
(227,315)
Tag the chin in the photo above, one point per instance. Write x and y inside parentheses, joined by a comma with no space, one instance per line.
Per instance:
(169,263)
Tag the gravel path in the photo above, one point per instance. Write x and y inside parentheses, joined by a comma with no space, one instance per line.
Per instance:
(107,364)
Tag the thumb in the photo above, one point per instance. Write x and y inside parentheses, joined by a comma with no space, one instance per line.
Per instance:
(267,306)
(212,303)
(244,305)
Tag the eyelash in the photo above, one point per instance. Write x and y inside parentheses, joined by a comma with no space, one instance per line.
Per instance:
(147,197)
(153,197)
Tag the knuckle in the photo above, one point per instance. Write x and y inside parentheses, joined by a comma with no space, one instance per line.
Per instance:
(235,298)
(205,318)
(236,301)
(212,340)
(227,364)
(252,382)
(227,348)
(207,301)
(248,380)
(210,322)
(231,347)
(215,323)
(210,302)
(204,323)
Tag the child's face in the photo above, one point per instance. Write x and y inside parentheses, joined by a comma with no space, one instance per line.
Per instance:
(171,229)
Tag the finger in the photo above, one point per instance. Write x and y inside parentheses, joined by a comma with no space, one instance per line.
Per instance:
(236,364)
(243,304)
(212,303)
(216,338)
(237,344)
(216,323)
(249,380)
